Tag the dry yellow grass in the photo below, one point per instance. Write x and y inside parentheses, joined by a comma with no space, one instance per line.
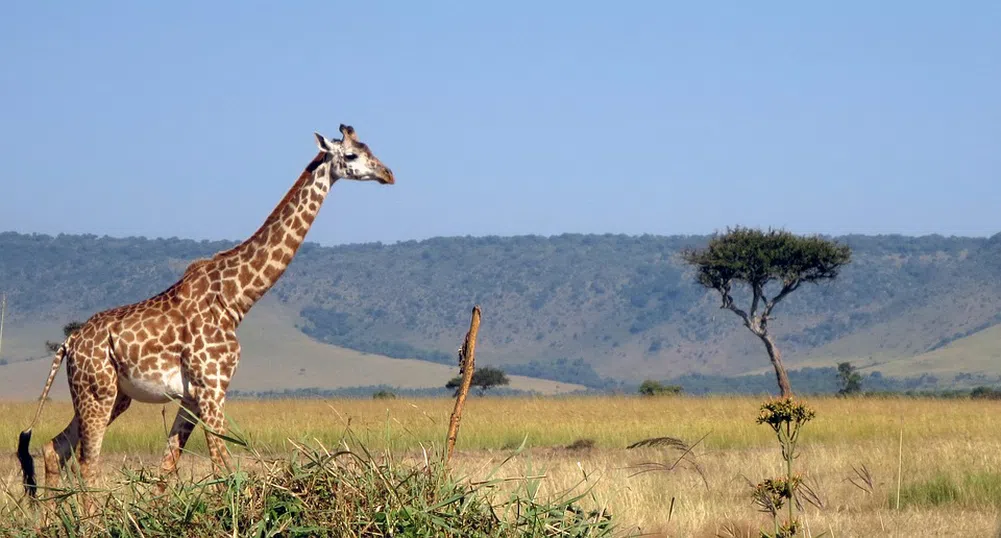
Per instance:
(942,440)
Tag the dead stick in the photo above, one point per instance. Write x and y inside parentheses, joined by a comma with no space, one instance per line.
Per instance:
(467,358)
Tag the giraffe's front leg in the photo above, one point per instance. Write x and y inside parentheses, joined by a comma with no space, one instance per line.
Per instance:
(203,409)
(209,373)
(184,423)
(210,405)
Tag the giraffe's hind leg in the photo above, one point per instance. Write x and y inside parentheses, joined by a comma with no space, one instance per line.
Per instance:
(94,421)
(57,452)
(95,417)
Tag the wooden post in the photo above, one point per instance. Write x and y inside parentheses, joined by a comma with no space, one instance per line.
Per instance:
(467,359)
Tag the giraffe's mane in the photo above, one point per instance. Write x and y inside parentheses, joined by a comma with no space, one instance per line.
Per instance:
(196,265)
(306,174)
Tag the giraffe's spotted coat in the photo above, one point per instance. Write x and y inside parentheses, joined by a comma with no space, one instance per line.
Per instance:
(181,344)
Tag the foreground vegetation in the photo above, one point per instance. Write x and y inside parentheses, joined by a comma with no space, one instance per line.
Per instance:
(948,453)
(311,492)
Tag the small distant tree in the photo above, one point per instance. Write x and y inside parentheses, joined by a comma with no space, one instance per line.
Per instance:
(383,395)
(484,378)
(849,379)
(656,388)
(68,329)
(772,265)
(985,393)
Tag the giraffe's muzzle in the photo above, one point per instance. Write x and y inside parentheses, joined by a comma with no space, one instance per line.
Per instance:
(387,177)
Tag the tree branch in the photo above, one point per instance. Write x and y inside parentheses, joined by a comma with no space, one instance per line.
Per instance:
(787,288)
(756,293)
(724,290)
(743,315)
(763,320)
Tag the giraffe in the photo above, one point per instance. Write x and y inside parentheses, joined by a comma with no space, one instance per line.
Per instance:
(181,344)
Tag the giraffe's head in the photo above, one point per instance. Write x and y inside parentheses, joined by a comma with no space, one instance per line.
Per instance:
(349,158)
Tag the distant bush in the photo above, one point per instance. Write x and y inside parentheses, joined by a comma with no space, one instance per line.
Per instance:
(68,329)
(383,395)
(581,444)
(484,378)
(849,379)
(985,393)
(656,388)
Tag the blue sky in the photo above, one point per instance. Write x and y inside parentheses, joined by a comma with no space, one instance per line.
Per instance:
(191,119)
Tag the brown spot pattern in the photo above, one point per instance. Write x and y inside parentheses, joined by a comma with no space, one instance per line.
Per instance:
(183,339)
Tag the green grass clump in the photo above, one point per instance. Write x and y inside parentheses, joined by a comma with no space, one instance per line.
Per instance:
(969,490)
(316,493)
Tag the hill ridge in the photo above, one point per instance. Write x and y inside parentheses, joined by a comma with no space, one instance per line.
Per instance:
(586,305)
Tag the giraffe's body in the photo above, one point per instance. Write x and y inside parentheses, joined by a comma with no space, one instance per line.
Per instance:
(181,344)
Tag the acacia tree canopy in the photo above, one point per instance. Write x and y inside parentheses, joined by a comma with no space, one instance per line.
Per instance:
(484,378)
(849,378)
(68,329)
(758,258)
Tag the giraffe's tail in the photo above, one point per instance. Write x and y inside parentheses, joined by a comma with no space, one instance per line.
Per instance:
(24,440)
(27,463)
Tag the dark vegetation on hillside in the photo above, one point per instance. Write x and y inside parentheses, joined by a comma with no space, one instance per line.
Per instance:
(806,381)
(575,308)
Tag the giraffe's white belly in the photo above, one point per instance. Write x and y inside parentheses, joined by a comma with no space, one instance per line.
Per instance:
(162,388)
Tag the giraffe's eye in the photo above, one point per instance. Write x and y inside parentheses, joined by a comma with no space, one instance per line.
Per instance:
(350,156)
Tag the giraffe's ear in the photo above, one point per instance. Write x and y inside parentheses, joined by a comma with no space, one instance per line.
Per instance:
(322,142)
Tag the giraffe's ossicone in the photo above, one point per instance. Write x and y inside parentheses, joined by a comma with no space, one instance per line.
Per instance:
(181,344)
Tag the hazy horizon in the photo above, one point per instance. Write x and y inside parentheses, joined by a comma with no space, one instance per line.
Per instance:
(481,236)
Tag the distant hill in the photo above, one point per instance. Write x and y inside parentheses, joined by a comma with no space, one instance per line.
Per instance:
(575,308)
(276,357)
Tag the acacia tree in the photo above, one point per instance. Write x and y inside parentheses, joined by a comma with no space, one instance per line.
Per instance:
(68,329)
(772,265)
(484,378)
(849,378)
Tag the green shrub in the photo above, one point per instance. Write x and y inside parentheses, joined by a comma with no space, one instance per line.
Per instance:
(656,388)
(985,393)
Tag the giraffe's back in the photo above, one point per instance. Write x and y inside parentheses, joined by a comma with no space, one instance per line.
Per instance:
(140,347)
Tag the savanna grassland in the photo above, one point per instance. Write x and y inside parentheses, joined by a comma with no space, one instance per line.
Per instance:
(948,453)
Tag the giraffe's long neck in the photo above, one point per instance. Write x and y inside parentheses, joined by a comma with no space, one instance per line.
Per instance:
(249,269)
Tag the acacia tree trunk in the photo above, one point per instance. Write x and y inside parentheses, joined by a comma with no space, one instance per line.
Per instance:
(780,370)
